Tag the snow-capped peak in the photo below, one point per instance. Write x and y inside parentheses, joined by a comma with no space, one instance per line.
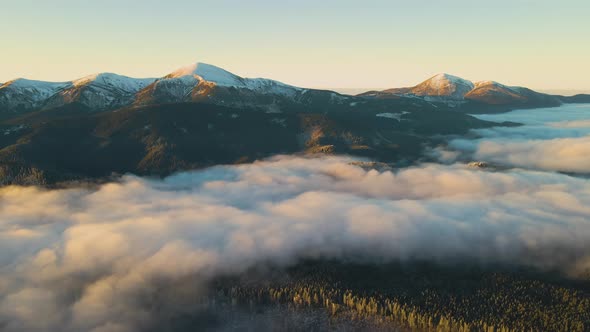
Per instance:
(444,85)
(193,74)
(28,94)
(443,79)
(23,83)
(120,82)
(105,91)
(209,73)
(36,90)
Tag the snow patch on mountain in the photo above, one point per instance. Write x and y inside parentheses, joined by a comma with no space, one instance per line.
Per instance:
(205,72)
(40,88)
(395,116)
(26,83)
(455,92)
(444,85)
(114,81)
(99,91)
(209,73)
(194,83)
(442,80)
(24,94)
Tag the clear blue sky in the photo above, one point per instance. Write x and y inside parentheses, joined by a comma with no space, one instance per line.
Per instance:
(541,44)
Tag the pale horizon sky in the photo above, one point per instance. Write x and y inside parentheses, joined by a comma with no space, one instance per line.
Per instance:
(327,44)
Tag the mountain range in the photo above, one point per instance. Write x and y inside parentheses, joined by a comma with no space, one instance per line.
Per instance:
(202,82)
(475,97)
(200,115)
(199,82)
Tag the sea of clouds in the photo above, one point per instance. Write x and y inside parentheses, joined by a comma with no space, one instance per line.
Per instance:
(552,139)
(106,258)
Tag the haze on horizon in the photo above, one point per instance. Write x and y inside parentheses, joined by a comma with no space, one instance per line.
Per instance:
(332,44)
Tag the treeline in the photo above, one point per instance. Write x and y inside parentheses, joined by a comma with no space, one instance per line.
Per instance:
(426,301)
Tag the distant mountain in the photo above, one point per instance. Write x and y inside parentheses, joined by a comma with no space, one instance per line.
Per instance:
(202,115)
(207,83)
(458,92)
(199,82)
(99,92)
(441,85)
(579,98)
(21,95)
(494,93)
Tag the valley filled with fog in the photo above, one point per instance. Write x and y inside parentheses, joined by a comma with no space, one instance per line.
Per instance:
(120,256)
(550,139)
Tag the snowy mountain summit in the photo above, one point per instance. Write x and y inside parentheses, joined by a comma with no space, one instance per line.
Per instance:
(205,82)
(444,85)
(221,77)
(112,81)
(104,91)
(201,82)
(99,91)
(207,72)
(455,91)
(23,94)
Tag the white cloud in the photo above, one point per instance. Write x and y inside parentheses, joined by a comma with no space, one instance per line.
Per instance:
(82,259)
(560,154)
(553,139)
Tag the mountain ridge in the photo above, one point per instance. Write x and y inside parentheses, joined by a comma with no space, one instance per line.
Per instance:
(459,92)
(197,82)
(200,116)
(202,82)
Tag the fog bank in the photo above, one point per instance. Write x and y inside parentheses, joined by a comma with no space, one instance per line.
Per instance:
(550,139)
(94,260)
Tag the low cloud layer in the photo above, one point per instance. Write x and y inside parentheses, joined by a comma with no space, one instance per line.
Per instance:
(553,139)
(559,154)
(97,260)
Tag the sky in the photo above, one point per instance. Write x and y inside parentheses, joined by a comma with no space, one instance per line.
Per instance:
(326,44)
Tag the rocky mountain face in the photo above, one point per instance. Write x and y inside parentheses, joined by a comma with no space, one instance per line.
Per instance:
(470,96)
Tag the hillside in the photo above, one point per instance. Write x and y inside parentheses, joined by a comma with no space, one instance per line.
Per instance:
(48,147)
